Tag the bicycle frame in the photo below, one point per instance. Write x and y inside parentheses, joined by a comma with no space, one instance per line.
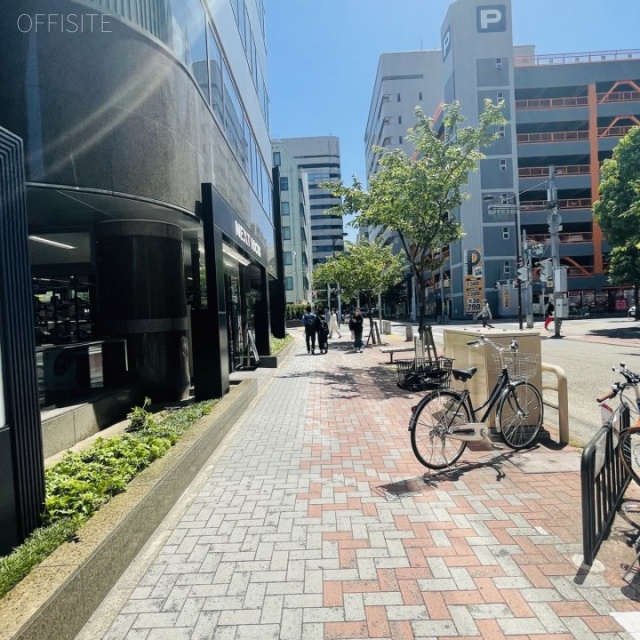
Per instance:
(502,383)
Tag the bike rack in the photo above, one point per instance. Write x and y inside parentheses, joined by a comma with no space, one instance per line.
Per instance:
(562,405)
(604,480)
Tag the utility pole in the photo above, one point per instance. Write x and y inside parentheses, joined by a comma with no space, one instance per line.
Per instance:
(554,229)
(528,290)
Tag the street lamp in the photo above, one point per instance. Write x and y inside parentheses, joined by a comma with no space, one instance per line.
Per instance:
(334,240)
(522,270)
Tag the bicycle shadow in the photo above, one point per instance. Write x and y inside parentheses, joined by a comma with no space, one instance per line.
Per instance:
(429,480)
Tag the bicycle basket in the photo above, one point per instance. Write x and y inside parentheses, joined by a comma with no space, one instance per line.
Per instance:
(422,374)
(520,366)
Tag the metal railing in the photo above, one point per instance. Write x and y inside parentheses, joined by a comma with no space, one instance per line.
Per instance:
(619,96)
(604,481)
(576,58)
(552,103)
(615,132)
(561,172)
(576,101)
(561,404)
(565,238)
(568,203)
(553,136)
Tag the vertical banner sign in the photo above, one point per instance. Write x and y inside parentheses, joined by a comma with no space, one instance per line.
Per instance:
(473,281)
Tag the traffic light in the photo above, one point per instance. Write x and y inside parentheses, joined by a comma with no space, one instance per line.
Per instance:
(523,274)
(546,270)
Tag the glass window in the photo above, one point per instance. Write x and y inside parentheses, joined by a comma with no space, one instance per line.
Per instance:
(187,32)
(233,115)
(288,283)
(288,257)
(215,74)
(276,159)
(284,184)
(505,233)
(285,210)
(286,233)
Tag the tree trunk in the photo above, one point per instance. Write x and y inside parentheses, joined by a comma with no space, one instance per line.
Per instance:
(635,301)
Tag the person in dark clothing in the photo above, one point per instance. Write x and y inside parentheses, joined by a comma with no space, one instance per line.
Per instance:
(549,319)
(309,320)
(322,329)
(356,324)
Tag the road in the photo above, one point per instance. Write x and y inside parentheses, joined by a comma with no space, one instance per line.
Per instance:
(588,350)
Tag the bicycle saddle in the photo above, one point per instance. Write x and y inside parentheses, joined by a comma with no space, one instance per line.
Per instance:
(464,374)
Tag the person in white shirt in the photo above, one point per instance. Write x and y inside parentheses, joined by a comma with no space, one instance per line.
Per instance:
(485,314)
(333,324)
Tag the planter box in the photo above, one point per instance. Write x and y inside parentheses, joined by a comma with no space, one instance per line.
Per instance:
(58,597)
(274,361)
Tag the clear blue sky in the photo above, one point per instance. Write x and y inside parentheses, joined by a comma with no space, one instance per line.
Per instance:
(323,54)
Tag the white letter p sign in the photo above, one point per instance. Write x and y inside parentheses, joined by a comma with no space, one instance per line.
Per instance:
(492,18)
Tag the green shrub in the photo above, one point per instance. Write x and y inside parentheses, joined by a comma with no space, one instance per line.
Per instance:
(278,344)
(295,311)
(81,482)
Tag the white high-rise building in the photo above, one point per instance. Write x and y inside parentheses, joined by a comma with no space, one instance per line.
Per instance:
(404,81)
(319,158)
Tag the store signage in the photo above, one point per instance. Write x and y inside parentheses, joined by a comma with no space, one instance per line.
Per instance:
(446,44)
(473,281)
(492,18)
(248,240)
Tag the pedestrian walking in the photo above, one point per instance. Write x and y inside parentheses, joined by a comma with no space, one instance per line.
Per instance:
(549,319)
(485,314)
(356,324)
(309,323)
(333,324)
(322,331)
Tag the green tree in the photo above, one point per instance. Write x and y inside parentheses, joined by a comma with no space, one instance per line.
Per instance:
(618,211)
(363,269)
(414,196)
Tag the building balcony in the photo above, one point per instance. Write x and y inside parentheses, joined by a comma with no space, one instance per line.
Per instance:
(552,103)
(561,171)
(576,58)
(553,136)
(571,203)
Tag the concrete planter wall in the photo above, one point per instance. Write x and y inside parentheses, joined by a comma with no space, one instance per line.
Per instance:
(59,596)
(274,361)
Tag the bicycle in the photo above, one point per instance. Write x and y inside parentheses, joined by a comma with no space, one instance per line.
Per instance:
(445,419)
(627,440)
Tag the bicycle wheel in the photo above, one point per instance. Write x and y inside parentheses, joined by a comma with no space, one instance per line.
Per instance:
(430,429)
(519,415)
(629,449)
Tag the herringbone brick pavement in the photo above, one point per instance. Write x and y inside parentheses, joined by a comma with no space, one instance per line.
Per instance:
(314,520)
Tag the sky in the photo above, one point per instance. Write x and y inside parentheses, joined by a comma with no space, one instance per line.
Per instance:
(323,54)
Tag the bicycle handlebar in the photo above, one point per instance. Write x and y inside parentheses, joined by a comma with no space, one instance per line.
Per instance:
(612,394)
(514,346)
(631,377)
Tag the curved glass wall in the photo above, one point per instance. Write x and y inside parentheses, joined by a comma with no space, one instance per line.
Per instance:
(183,25)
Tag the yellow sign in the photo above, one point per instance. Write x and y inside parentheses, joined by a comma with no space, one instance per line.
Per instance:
(473,281)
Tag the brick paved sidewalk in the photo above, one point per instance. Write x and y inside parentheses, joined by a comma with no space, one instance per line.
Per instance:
(314,521)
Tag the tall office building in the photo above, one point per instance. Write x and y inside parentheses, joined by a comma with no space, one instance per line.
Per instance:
(566,110)
(319,157)
(296,224)
(404,81)
(148,179)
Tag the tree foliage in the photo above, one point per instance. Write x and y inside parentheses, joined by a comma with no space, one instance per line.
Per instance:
(618,211)
(363,269)
(413,196)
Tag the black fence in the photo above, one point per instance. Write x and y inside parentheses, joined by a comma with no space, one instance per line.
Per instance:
(604,481)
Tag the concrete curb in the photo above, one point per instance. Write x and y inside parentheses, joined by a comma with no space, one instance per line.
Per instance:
(63,592)
(274,361)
